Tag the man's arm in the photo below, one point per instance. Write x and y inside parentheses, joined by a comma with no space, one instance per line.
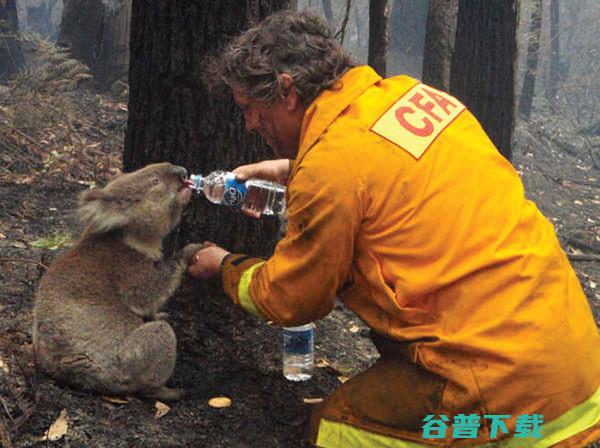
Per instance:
(299,282)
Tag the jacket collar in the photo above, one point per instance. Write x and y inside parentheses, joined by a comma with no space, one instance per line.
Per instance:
(330,104)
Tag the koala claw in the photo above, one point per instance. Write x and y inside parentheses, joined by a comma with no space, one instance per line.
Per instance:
(189,251)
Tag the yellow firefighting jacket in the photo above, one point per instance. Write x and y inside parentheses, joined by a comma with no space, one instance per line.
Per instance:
(399,204)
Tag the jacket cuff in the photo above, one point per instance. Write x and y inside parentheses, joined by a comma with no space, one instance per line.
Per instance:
(236,274)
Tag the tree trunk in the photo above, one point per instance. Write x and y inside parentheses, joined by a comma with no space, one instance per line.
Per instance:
(378,35)
(173,118)
(81,28)
(98,36)
(407,36)
(113,59)
(328,11)
(554,70)
(11,54)
(439,43)
(483,65)
(533,50)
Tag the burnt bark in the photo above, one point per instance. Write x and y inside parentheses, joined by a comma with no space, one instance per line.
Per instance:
(98,36)
(80,29)
(378,35)
(407,36)
(112,61)
(11,54)
(439,43)
(172,116)
(554,69)
(533,50)
(482,74)
(328,11)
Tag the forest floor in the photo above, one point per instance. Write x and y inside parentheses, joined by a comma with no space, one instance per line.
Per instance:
(50,152)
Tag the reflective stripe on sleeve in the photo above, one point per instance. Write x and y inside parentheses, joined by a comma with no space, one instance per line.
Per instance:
(576,420)
(244,290)
(338,435)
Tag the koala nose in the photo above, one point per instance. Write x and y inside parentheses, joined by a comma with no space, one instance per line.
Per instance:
(179,171)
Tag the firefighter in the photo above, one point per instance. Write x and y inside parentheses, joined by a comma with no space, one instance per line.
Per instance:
(400,205)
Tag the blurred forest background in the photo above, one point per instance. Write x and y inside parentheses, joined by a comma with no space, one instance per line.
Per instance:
(89,88)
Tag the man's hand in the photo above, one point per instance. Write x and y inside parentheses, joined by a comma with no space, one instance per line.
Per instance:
(274,170)
(206,262)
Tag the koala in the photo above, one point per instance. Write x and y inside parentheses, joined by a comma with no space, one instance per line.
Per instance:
(97,324)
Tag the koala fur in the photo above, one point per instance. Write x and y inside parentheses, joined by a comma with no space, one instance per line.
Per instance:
(97,324)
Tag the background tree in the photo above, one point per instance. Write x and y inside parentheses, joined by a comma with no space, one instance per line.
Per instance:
(439,43)
(533,50)
(407,36)
(172,116)
(328,11)
(378,35)
(554,67)
(40,16)
(11,55)
(482,74)
(97,33)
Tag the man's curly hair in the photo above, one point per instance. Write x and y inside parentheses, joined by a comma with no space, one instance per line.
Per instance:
(297,43)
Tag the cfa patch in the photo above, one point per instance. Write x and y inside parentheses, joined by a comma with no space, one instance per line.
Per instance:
(417,118)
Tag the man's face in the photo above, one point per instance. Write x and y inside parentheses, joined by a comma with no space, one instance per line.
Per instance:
(277,123)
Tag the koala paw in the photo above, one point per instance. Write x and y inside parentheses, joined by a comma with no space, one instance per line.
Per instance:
(165,393)
(188,252)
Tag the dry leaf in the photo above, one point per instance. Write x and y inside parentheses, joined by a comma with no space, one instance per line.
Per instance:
(342,379)
(578,202)
(2,236)
(3,366)
(592,285)
(312,400)
(114,400)
(321,363)
(161,409)
(354,329)
(57,429)
(219,402)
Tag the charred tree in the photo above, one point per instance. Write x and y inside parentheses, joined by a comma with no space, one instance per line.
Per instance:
(483,65)
(97,33)
(533,50)
(439,43)
(378,35)
(172,116)
(11,54)
(112,61)
(328,11)
(80,28)
(554,69)
(407,36)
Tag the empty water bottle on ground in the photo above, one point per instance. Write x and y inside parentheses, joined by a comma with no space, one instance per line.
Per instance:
(256,195)
(298,352)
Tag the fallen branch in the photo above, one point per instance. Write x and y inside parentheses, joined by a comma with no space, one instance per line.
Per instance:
(584,245)
(23,260)
(4,440)
(583,257)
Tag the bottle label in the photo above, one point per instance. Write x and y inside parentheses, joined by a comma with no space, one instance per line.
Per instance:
(235,192)
(298,342)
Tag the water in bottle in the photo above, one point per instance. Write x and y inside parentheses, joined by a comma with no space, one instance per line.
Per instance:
(298,352)
(222,187)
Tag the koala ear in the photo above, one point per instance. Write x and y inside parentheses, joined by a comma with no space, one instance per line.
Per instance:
(100,210)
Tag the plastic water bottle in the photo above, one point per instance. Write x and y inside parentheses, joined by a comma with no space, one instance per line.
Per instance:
(298,352)
(222,187)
